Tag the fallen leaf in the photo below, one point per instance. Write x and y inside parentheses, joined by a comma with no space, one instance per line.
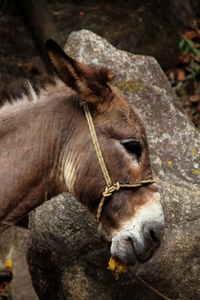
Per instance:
(171,74)
(197,58)
(191,34)
(197,44)
(194,98)
(185,58)
(180,74)
(81,13)
(169,162)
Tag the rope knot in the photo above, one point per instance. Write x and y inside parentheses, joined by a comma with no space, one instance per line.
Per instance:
(117,186)
(110,189)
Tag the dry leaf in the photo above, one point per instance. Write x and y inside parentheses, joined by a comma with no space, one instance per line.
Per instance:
(171,74)
(180,74)
(191,34)
(184,58)
(81,13)
(194,98)
(197,58)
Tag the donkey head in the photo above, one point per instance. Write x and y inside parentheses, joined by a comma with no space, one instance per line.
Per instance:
(132,220)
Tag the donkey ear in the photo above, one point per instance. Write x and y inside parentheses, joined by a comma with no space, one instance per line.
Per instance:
(89,84)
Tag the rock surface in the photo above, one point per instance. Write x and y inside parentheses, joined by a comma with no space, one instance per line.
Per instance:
(66,257)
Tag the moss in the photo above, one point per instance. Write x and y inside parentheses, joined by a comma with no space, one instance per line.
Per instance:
(131,86)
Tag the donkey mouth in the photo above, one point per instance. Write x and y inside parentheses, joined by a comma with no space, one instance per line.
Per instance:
(140,247)
(130,251)
(145,253)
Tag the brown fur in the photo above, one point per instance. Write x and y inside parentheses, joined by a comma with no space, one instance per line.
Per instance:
(36,139)
(17,90)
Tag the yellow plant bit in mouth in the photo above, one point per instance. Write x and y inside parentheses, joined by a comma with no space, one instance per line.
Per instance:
(117,267)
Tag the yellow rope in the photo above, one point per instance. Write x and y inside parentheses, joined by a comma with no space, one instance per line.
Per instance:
(96,145)
(115,187)
(155,291)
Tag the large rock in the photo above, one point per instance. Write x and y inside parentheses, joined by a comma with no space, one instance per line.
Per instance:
(66,257)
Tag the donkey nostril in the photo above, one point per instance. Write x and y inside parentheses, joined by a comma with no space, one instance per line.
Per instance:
(153,236)
(153,232)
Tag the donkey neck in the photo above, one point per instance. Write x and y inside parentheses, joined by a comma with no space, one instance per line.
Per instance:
(33,136)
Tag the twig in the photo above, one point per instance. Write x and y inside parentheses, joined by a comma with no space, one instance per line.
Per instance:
(148,285)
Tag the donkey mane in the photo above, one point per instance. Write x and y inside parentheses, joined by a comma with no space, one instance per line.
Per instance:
(24,89)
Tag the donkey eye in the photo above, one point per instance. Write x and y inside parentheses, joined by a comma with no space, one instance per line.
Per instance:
(133,147)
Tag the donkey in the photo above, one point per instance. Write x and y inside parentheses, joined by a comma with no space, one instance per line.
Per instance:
(46,149)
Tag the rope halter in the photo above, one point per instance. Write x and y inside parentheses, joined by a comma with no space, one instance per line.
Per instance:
(110,187)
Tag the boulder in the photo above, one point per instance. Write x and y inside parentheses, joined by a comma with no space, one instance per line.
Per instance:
(66,257)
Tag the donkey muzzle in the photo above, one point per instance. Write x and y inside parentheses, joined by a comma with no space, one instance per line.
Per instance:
(138,239)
